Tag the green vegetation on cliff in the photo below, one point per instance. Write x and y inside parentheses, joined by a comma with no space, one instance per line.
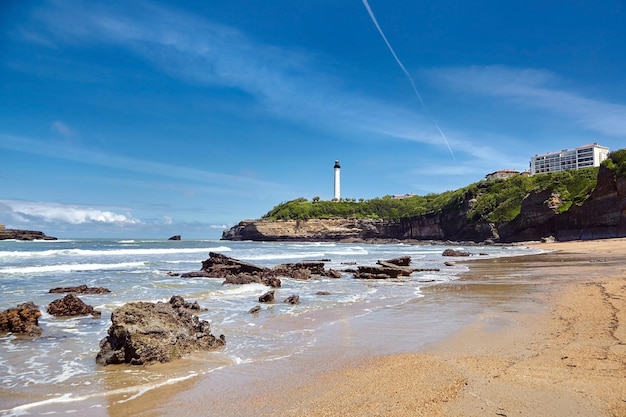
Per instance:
(617,162)
(494,200)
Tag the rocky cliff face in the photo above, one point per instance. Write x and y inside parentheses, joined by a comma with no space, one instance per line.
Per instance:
(19,234)
(603,215)
(309,230)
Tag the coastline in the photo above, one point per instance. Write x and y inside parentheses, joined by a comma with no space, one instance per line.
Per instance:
(550,341)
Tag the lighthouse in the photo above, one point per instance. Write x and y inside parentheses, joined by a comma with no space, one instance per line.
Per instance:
(337,186)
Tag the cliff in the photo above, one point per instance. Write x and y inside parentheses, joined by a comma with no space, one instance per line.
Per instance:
(19,234)
(601,215)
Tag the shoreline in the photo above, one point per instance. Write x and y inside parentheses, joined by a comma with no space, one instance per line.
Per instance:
(550,341)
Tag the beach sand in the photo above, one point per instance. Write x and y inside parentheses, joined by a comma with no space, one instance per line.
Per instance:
(549,340)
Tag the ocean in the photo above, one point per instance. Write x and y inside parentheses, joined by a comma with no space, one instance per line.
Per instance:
(57,371)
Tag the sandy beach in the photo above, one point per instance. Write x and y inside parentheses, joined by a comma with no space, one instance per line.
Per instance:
(564,356)
(549,340)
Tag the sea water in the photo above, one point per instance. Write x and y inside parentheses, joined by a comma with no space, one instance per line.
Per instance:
(59,366)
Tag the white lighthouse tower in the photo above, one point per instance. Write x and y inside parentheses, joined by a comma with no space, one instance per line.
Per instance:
(337,185)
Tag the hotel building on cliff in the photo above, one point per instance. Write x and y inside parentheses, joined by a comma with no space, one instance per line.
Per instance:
(581,157)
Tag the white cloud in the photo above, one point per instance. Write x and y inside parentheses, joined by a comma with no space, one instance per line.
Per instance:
(62,128)
(37,212)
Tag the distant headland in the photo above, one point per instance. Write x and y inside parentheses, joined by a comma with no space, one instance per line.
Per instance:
(582,204)
(19,234)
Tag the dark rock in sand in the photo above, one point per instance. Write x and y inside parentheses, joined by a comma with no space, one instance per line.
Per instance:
(23,319)
(80,289)
(71,305)
(268,297)
(292,299)
(454,252)
(143,333)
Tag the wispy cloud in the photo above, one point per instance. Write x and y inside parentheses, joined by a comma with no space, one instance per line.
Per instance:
(286,83)
(228,183)
(29,212)
(537,89)
(61,128)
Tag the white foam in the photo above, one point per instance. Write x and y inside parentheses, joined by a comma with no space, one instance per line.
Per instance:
(70,268)
(282,255)
(110,252)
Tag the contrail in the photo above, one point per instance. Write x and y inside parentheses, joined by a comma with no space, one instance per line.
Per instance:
(417,93)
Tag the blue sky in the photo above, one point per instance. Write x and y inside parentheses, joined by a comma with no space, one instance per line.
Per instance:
(147,119)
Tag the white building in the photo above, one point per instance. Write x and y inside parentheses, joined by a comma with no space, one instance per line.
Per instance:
(337,194)
(581,157)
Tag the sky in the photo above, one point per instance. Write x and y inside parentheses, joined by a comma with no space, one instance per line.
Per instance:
(154,118)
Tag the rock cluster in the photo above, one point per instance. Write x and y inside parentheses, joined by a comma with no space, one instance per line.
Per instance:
(22,319)
(234,271)
(143,333)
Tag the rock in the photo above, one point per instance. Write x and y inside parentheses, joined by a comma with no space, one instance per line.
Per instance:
(143,333)
(300,270)
(322,293)
(268,297)
(333,273)
(71,305)
(172,274)
(273,282)
(392,268)
(23,319)
(80,289)
(254,310)
(402,261)
(373,272)
(242,278)
(175,237)
(403,270)
(292,299)
(179,302)
(454,252)
(195,274)
(448,263)
(220,266)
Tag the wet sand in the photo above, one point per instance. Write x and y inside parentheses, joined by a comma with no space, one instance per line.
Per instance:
(547,337)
